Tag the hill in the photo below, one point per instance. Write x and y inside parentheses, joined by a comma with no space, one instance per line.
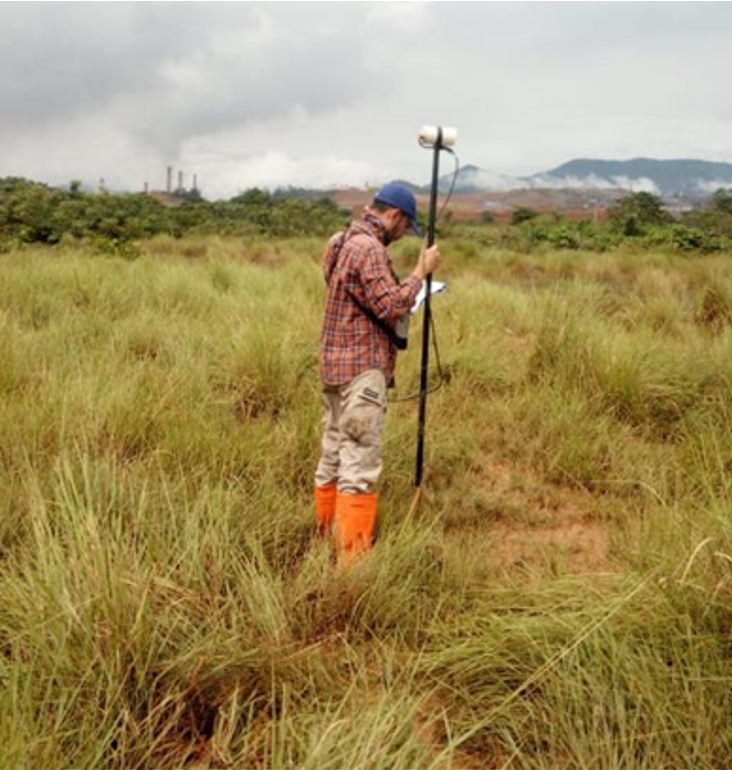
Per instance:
(669,178)
(664,177)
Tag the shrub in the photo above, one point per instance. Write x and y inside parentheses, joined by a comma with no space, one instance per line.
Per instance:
(682,238)
(564,236)
(722,201)
(689,238)
(523,214)
(637,210)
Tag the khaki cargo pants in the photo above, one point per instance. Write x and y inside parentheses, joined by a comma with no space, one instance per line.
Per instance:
(353,426)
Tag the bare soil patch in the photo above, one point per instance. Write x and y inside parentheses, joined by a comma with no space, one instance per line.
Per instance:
(535,525)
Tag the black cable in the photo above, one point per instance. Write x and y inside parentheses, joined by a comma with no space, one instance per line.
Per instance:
(454,176)
(454,180)
(440,376)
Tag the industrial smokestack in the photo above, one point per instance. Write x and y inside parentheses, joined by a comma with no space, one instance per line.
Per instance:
(195,181)
(180,180)
(145,188)
(169,183)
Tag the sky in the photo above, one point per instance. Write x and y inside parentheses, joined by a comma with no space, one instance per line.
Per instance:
(334,94)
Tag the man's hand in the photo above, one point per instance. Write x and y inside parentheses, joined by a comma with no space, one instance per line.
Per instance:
(428,262)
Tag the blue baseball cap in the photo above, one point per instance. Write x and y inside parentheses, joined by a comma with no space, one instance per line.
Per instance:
(401,198)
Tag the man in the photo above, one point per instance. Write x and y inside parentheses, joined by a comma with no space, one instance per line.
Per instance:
(358,350)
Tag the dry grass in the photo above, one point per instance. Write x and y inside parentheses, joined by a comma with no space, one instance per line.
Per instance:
(560,600)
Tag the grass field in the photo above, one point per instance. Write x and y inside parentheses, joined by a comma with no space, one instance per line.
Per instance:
(562,598)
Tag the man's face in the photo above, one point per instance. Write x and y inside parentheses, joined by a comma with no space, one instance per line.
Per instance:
(396,225)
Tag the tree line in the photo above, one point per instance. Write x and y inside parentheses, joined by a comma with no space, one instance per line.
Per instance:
(31,212)
(639,219)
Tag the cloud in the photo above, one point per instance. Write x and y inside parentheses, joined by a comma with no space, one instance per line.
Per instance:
(337,91)
(592,181)
(641,184)
(706,187)
(86,148)
(175,71)
(277,169)
(60,60)
(488,180)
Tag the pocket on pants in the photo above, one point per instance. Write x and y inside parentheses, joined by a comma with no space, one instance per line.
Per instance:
(363,417)
(372,396)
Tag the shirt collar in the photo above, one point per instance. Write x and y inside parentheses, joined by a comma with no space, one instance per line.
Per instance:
(372,223)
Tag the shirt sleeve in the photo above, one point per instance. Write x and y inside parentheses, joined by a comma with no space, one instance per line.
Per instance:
(387,299)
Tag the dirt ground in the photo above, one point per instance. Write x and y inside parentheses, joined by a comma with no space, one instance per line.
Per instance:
(533,527)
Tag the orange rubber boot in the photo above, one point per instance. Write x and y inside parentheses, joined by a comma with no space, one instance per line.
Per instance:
(355,521)
(325,507)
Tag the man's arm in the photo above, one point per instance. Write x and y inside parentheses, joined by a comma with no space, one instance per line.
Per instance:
(382,295)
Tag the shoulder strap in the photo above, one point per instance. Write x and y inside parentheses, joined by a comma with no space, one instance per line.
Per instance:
(399,342)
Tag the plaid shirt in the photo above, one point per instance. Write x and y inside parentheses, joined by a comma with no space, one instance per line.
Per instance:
(361,281)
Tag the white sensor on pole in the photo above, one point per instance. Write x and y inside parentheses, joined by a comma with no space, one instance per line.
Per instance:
(429,136)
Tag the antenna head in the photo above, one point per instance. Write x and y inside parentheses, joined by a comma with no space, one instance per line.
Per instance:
(434,136)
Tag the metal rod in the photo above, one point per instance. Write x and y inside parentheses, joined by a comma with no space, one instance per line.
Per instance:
(424,371)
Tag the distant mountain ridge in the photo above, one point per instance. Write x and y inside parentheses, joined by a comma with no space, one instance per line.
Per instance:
(686,177)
